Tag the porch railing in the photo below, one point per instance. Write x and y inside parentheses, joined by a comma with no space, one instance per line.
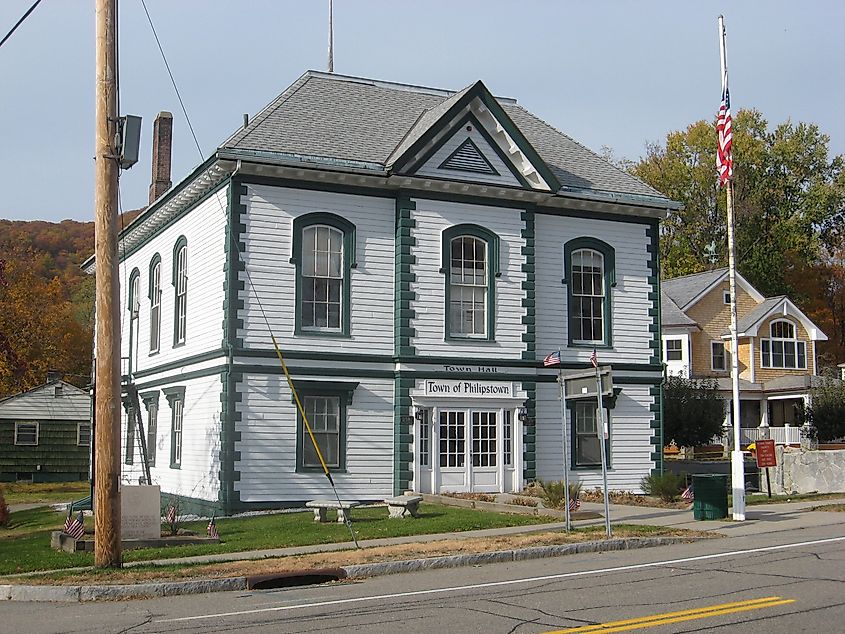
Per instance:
(781,435)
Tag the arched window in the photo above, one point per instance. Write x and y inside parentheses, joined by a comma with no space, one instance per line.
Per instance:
(180,287)
(589,272)
(471,263)
(324,253)
(133,304)
(155,303)
(783,349)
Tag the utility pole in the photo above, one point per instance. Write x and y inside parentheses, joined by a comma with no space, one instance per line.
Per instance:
(107,551)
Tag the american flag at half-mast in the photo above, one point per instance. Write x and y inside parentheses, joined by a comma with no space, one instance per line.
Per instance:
(212,529)
(724,158)
(74,526)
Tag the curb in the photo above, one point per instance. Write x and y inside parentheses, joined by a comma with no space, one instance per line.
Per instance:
(503,556)
(67,594)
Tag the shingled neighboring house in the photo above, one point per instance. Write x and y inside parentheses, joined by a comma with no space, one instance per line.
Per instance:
(417,253)
(777,349)
(45,434)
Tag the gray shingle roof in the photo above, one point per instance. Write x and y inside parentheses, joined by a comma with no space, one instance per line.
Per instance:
(684,289)
(43,404)
(757,313)
(361,120)
(671,315)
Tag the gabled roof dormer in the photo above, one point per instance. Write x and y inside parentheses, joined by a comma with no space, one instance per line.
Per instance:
(469,137)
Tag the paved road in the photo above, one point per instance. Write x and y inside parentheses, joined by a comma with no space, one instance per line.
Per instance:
(723,584)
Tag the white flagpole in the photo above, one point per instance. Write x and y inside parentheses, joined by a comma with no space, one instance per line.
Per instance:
(737,461)
(565,450)
(331,37)
(602,433)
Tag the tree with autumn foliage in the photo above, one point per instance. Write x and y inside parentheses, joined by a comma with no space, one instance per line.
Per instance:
(40,327)
(789,201)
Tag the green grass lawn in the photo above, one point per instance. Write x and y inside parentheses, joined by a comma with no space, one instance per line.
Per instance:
(44,493)
(25,545)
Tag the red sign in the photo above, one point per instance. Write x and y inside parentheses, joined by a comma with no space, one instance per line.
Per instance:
(766,453)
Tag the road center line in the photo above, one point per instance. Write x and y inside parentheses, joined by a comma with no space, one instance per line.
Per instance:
(495,584)
(676,617)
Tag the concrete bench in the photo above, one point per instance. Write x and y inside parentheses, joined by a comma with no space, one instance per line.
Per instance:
(344,509)
(403,505)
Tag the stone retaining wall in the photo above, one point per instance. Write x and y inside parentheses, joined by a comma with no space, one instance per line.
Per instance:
(802,471)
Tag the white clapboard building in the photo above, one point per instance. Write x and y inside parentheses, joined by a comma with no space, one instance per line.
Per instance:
(417,253)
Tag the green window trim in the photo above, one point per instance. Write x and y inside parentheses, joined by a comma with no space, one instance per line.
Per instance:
(130,295)
(174,395)
(493,272)
(300,223)
(343,391)
(180,317)
(609,268)
(150,400)
(129,438)
(153,290)
(609,404)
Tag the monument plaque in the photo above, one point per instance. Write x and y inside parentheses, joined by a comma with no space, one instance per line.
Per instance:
(140,512)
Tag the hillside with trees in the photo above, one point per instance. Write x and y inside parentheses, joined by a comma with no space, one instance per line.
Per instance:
(47,316)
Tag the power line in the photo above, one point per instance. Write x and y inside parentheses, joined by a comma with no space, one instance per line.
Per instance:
(172,80)
(19,22)
(234,243)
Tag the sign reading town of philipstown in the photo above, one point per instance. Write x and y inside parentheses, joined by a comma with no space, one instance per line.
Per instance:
(478,389)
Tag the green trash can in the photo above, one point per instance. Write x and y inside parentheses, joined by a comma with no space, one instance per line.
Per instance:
(711,497)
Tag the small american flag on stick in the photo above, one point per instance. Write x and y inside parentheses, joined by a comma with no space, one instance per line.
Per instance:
(574,504)
(74,526)
(552,358)
(212,529)
(687,494)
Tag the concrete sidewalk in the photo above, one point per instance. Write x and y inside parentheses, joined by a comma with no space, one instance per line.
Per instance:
(760,519)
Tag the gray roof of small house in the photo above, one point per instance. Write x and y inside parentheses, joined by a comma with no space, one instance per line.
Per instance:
(758,312)
(684,289)
(42,404)
(671,315)
(356,120)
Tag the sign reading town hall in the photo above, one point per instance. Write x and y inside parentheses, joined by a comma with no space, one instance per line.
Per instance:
(476,389)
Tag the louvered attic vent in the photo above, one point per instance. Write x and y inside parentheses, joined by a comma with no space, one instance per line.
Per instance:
(468,158)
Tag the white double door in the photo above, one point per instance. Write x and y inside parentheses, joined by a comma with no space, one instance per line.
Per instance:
(472,450)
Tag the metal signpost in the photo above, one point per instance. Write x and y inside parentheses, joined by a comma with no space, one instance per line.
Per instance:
(765,451)
(596,384)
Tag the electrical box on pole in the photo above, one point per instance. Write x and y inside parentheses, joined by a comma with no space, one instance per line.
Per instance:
(129,141)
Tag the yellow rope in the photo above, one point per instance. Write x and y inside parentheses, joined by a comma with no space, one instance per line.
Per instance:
(300,408)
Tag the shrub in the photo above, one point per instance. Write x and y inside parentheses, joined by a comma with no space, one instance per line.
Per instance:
(666,486)
(553,492)
(693,411)
(827,410)
(4,510)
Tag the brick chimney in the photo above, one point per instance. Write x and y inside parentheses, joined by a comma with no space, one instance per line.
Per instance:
(162,142)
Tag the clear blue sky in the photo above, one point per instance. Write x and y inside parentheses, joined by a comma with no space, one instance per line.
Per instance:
(608,73)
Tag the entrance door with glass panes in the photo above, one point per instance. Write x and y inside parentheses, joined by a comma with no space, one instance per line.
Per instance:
(469,451)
